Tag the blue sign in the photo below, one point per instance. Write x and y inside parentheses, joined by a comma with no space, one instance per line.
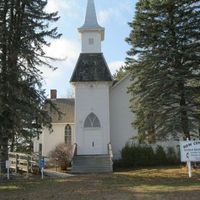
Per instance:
(41,163)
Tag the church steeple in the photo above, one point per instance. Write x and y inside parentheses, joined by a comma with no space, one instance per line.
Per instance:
(91,32)
(91,65)
(91,20)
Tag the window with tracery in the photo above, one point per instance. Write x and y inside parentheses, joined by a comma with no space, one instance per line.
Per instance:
(92,121)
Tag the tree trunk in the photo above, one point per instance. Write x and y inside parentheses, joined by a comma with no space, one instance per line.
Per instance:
(199,132)
(184,123)
(12,144)
(184,116)
(3,153)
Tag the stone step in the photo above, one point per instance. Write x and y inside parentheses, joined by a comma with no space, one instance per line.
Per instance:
(92,164)
(91,170)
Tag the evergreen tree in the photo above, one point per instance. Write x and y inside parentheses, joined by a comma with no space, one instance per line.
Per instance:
(24,27)
(120,73)
(164,63)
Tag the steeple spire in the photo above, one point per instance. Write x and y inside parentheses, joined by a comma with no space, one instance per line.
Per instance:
(91,23)
(91,65)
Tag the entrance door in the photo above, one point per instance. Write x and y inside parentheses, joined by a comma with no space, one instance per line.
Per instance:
(93,142)
(92,138)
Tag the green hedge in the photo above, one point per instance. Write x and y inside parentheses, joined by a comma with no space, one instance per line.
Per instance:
(140,156)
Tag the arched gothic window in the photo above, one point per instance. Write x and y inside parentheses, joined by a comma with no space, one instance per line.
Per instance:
(68,134)
(92,121)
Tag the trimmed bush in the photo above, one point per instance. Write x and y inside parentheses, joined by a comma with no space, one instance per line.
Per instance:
(160,156)
(133,156)
(144,155)
(172,156)
(128,156)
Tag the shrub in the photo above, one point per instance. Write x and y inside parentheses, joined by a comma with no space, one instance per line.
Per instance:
(144,155)
(128,156)
(134,156)
(62,154)
(172,156)
(160,156)
(118,164)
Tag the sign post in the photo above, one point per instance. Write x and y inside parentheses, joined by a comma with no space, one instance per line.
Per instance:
(190,152)
(42,163)
(8,164)
(42,173)
(189,169)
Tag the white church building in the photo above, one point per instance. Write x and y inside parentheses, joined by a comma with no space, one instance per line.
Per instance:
(98,121)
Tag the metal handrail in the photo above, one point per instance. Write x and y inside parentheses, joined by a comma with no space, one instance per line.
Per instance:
(110,152)
(74,150)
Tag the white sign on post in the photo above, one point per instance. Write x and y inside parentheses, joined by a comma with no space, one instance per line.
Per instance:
(190,151)
(8,164)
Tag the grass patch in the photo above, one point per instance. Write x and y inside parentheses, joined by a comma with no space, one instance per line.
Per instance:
(150,183)
(155,180)
(9,187)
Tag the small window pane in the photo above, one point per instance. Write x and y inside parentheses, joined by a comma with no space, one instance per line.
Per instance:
(92,116)
(87,123)
(40,148)
(91,40)
(96,123)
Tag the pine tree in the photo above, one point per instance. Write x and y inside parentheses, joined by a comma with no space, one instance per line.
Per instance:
(24,27)
(120,73)
(164,63)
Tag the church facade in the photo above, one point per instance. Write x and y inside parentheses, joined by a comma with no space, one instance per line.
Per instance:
(98,120)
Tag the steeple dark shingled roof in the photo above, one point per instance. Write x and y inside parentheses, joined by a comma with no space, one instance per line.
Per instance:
(91,67)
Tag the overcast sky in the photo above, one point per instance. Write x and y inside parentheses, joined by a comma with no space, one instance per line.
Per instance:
(112,14)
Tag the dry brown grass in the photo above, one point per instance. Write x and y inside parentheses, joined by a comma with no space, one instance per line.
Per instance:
(150,183)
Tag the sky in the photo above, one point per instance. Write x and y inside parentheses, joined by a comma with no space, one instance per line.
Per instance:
(114,15)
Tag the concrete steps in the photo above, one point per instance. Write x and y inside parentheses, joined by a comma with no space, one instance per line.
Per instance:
(92,164)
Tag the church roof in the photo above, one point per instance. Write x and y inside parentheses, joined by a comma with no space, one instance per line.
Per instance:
(91,67)
(66,107)
(91,19)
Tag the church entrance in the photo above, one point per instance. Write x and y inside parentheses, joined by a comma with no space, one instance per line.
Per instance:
(93,142)
(93,137)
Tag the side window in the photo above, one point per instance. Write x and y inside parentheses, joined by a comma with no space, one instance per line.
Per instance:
(68,134)
(92,121)
(40,148)
(91,41)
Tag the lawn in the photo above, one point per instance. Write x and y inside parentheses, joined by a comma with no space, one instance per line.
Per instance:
(160,183)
